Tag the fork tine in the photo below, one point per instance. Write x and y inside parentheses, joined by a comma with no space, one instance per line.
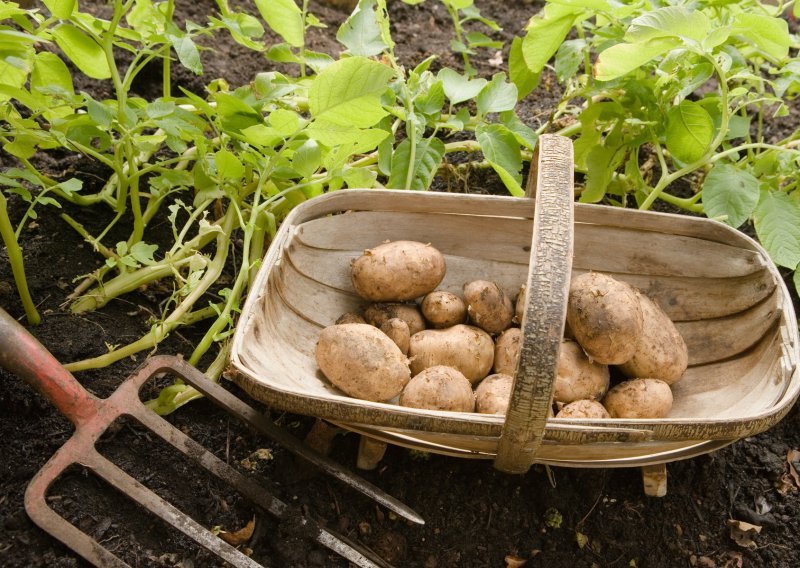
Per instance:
(254,491)
(167,512)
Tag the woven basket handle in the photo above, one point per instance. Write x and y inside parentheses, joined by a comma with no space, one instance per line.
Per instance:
(547,290)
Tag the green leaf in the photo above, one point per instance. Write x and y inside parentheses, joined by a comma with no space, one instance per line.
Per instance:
(672,21)
(770,35)
(360,33)
(348,92)
(777,222)
(61,8)
(501,150)
(143,253)
(83,51)
(690,131)
(569,58)
(525,134)
(307,158)
(49,71)
(430,102)
(285,122)
(601,163)
(459,88)
(332,135)
(236,114)
(545,35)
(187,52)
(359,178)
(228,165)
(730,194)
(525,79)
(497,96)
(415,172)
(622,58)
(285,19)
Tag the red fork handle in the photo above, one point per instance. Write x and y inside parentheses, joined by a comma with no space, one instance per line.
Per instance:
(22,355)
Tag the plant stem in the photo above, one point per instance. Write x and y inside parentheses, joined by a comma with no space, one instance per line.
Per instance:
(166,72)
(17,264)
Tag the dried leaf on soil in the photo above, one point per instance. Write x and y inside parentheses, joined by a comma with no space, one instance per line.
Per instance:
(514,561)
(744,533)
(793,458)
(241,536)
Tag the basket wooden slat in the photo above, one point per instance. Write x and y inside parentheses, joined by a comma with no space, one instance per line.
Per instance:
(727,297)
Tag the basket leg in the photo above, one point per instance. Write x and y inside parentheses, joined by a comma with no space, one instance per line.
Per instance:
(321,436)
(370,453)
(655,480)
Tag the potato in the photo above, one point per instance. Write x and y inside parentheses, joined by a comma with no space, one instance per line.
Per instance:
(605,316)
(439,388)
(493,394)
(463,347)
(444,309)
(639,398)
(378,314)
(362,361)
(583,409)
(397,271)
(578,377)
(661,352)
(397,330)
(506,351)
(519,306)
(488,306)
(350,317)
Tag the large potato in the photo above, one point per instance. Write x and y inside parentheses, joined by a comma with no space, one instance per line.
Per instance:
(463,347)
(439,388)
(488,306)
(583,409)
(578,377)
(605,317)
(493,394)
(444,309)
(639,398)
(397,271)
(362,361)
(661,352)
(379,314)
(506,351)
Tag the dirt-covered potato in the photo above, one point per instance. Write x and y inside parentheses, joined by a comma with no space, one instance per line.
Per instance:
(661,352)
(583,409)
(605,317)
(463,347)
(493,394)
(378,314)
(506,351)
(397,271)
(350,317)
(362,361)
(443,309)
(578,377)
(519,306)
(488,306)
(397,330)
(639,398)
(439,388)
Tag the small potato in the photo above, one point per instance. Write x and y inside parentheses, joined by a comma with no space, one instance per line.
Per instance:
(378,314)
(488,306)
(444,309)
(439,388)
(463,347)
(583,409)
(397,271)
(397,330)
(362,361)
(661,352)
(605,316)
(506,351)
(578,377)
(639,398)
(493,394)
(350,317)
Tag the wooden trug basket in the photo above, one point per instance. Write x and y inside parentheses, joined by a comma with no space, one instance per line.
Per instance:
(719,286)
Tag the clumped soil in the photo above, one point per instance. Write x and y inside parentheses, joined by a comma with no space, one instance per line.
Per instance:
(475,516)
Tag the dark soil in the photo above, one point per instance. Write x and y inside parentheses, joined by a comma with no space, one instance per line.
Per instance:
(475,516)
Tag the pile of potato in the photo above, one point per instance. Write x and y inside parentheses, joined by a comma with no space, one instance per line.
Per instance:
(426,348)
